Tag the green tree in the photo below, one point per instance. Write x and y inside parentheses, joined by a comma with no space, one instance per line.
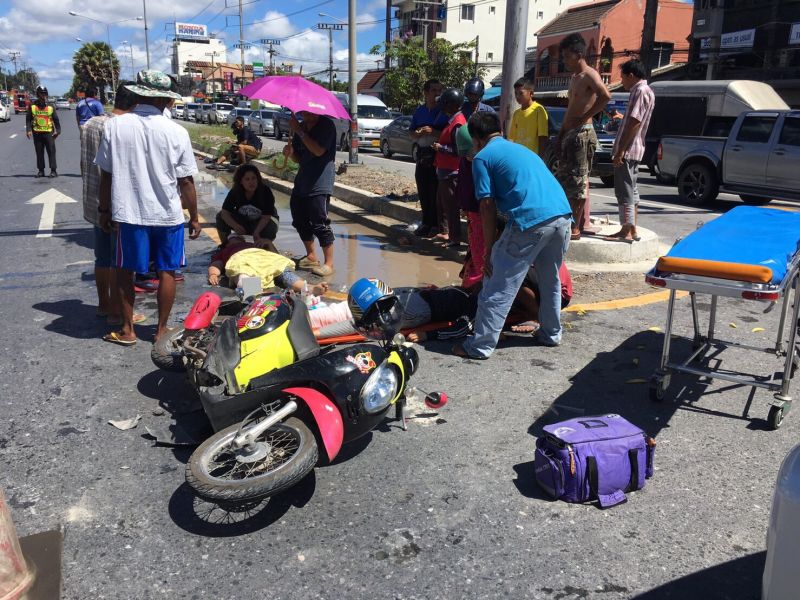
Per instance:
(93,65)
(26,79)
(452,64)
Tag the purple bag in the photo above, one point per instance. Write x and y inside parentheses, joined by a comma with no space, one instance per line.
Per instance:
(593,458)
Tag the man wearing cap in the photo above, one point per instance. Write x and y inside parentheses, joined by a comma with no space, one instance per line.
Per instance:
(41,123)
(147,164)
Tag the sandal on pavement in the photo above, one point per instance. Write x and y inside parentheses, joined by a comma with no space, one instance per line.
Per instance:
(116,320)
(322,270)
(115,338)
(306,263)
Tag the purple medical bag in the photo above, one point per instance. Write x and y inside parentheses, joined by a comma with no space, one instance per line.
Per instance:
(593,458)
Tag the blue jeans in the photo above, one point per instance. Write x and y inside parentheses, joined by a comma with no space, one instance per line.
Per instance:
(542,246)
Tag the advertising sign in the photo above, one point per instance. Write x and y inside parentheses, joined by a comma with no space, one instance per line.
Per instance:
(191,31)
(258,69)
(738,39)
(228,81)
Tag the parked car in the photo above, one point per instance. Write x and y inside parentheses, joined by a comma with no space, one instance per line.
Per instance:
(757,160)
(239,112)
(190,111)
(395,139)
(178,110)
(62,104)
(373,116)
(262,122)
(281,123)
(219,111)
(703,108)
(202,114)
(5,111)
(601,165)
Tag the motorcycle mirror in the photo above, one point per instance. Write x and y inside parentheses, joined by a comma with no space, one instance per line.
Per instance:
(399,339)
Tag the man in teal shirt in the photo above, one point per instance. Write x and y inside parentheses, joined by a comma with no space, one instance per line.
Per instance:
(511,179)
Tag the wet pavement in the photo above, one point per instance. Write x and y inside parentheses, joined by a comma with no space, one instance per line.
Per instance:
(358,250)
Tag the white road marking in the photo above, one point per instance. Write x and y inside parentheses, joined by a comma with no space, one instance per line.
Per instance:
(12,136)
(48,200)
(662,205)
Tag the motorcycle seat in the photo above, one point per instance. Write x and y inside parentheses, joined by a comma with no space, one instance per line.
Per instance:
(300,333)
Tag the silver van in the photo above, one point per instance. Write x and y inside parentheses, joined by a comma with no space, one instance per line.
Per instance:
(704,108)
(189,111)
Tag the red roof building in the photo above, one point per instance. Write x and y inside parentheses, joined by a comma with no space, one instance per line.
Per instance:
(372,83)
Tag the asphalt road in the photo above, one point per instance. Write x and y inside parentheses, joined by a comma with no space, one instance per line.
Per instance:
(447,509)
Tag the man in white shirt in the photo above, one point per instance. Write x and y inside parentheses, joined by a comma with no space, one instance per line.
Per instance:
(147,164)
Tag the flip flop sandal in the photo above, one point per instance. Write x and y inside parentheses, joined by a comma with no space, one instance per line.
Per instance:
(619,239)
(137,318)
(306,264)
(322,270)
(115,338)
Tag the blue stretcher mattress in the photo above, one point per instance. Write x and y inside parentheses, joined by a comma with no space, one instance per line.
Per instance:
(747,235)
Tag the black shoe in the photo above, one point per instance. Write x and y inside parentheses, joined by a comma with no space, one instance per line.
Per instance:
(209,160)
(40,174)
(53,173)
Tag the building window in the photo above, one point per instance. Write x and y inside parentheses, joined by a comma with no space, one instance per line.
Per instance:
(490,56)
(467,12)
(491,10)
(540,14)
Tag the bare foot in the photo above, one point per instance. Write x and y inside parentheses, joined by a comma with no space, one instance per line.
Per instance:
(526,327)
(417,337)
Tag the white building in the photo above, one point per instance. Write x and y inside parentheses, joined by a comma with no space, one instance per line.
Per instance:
(193,43)
(465,20)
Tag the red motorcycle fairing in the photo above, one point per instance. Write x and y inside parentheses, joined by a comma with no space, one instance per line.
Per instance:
(327,416)
(202,311)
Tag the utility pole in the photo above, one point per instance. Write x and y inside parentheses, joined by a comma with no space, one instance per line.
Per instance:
(648,35)
(241,42)
(330,27)
(213,86)
(271,52)
(477,53)
(352,51)
(513,56)
(146,42)
(388,33)
(13,57)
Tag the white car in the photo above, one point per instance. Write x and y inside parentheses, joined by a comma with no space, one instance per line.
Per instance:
(219,112)
(62,104)
(5,111)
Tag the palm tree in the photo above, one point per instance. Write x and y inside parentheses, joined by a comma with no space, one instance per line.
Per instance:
(93,64)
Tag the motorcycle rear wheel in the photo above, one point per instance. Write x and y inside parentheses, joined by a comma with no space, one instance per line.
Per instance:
(167,352)
(217,473)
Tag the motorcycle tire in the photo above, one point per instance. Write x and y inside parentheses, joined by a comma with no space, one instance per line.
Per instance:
(211,486)
(167,353)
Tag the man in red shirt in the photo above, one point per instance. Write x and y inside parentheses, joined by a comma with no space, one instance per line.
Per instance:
(447,162)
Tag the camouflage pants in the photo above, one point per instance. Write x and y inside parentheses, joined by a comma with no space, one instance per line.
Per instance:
(577,151)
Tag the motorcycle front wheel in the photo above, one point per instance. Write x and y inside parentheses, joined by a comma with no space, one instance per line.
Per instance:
(280,458)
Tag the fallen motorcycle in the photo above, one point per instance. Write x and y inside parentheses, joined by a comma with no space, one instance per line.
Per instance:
(274,396)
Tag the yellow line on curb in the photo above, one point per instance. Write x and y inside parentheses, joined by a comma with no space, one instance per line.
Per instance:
(625,302)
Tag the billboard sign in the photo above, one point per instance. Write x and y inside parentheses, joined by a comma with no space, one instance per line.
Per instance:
(191,31)
(738,39)
(228,81)
(258,69)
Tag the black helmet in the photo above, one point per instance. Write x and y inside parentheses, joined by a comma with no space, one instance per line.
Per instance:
(41,89)
(474,86)
(451,97)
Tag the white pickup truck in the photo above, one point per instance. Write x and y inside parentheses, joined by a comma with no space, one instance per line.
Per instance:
(758,160)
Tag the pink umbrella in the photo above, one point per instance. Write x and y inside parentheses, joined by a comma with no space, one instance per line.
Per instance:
(297,94)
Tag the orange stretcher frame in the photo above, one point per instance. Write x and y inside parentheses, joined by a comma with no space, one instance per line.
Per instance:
(357,337)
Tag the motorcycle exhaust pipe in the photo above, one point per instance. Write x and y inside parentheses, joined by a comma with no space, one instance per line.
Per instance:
(249,435)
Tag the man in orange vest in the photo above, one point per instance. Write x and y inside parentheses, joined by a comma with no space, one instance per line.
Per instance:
(42,124)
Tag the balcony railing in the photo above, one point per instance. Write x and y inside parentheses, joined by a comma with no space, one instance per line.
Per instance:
(561,82)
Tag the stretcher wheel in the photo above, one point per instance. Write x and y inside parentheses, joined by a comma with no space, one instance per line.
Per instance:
(658,389)
(775,417)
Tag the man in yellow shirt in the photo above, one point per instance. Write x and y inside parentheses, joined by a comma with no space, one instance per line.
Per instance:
(529,122)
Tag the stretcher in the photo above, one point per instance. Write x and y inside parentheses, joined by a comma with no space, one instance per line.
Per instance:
(749,253)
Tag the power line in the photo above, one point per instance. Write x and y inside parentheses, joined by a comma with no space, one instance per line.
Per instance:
(205,8)
(312,7)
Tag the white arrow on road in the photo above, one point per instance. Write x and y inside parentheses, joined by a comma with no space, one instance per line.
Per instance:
(48,200)
(12,136)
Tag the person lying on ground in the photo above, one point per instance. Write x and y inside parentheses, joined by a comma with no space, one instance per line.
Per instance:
(239,258)
(249,209)
(527,301)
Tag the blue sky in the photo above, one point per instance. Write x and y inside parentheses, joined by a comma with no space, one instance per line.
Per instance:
(44,33)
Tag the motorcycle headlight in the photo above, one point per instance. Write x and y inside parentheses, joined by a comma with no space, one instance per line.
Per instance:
(380,388)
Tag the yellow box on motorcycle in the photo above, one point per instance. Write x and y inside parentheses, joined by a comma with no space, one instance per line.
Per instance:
(264,341)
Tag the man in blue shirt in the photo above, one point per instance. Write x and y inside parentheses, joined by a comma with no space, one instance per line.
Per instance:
(513,180)
(89,107)
(473,92)
(427,123)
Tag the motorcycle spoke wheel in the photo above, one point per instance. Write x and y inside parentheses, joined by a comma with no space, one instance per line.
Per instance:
(279,458)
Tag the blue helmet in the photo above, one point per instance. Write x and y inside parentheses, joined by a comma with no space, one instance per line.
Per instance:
(374,307)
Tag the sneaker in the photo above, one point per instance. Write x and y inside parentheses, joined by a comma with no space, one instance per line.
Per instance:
(322,270)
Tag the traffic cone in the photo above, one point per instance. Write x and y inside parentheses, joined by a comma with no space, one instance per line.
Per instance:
(15,575)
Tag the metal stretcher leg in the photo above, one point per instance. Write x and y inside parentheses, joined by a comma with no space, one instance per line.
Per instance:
(659,382)
(712,319)
(698,339)
(782,401)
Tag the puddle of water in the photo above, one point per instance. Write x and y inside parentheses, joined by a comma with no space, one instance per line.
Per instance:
(358,250)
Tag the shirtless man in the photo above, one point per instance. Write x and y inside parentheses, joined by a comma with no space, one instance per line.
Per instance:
(577,140)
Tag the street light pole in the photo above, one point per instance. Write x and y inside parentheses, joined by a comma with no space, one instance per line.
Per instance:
(351,43)
(146,43)
(111,59)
